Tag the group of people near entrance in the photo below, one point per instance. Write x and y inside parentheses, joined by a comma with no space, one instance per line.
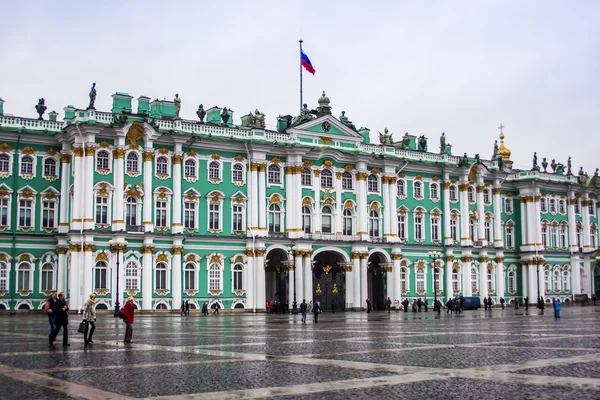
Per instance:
(187,305)
(315,309)
(57,309)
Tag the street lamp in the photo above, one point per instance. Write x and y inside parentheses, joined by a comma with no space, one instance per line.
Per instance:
(538,259)
(292,251)
(117,246)
(435,256)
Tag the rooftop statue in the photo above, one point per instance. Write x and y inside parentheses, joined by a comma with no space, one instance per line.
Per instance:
(443,143)
(41,107)
(201,113)
(385,138)
(544,164)
(423,143)
(560,169)
(582,176)
(477,158)
(535,162)
(258,119)
(495,153)
(464,161)
(304,116)
(553,165)
(177,102)
(344,120)
(405,141)
(92,97)
(500,163)
(569,172)
(225,116)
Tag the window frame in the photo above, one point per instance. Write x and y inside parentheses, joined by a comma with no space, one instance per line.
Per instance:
(274,175)
(44,279)
(21,269)
(347,181)
(98,268)
(306,177)
(162,269)
(373,183)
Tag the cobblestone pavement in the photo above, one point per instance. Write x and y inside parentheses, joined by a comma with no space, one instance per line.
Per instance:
(477,355)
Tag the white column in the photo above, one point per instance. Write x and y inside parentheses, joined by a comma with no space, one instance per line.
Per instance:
(260,279)
(448,275)
(386,211)
(61,268)
(75,270)
(118,212)
(498,236)
(393,214)
(176,226)
(361,207)
(466,274)
(483,262)
(575,275)
(253,189)
(290,212)
(308,277)
(537,223)
(530,222)
(524,233)
(446,211)
(317,197)
(524,281)
(88,215)
(356,280)
(396,276)
(88,268)
(298,271)
(77,199)
(364,293)
(499,276)
(481,211)
(250,281)
(587,269)
(148,195)
(65,195)
(389,276)
(465,240)
(585,216)
(262,202)
(176,281)
(532,280)
(338,203)
(147,292)
(572,224)
(290,294)
(350,274)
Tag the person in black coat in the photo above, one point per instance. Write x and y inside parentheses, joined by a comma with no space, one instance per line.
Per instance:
(60,309)
(316,311)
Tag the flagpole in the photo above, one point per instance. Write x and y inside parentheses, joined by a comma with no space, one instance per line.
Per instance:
(301,75)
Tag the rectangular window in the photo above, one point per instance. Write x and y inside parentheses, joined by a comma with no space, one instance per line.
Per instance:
(161,279)
(508,205)
(213,216)
(47,280)
(3,212)
(420,280)
(509,238)
(488,231)
(48,214)
(238,218)
(403,280)
(418,228)
(23,280)
(102,210)
(100,278)
(131,214)
(326,223)
(454,229)
(489,277)
(435,229)
(190,279)
(25,210)
(402,226)
(189,217)
(161,214)
(563,237)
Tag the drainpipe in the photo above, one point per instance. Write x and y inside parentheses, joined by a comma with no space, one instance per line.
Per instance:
(13,220)
(253,238)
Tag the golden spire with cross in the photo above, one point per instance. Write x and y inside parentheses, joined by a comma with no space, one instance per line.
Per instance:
(502,150)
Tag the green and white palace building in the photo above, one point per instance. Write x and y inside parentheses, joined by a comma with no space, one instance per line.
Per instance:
(140,202)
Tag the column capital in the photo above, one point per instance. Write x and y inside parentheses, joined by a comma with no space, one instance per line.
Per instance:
(499,260)
(90,151)
(77,151)
(177,158)
(148,155)
(119,154)
(177,250)
(361,176)
(65,158)
(396,256)
(497,191)
(147,249)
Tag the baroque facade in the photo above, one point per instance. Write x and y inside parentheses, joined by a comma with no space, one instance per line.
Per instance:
(238,215)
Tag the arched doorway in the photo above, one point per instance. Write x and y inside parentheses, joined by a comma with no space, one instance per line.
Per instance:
(276,278)
(329,281)
(376,281)
(597,280)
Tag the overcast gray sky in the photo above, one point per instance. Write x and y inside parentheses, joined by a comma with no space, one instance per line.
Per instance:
(460,67)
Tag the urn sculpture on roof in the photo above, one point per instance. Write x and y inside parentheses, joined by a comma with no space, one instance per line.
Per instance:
(201,113)
(41,108)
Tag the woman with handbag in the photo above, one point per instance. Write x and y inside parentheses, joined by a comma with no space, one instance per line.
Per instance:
(128,319)
(89,318)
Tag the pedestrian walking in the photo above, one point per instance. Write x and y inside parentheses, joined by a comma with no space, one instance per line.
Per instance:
(205,309)
(419,304)
(128,311)
(557,307)
(485,303)
(594,299)
(60,311)
(502,302)
(89,317)
(303,308)
(187,308)
(490,302)
(526,301)
(438,305)
(405,304)
(388,304)
(516,300)
(369,307)
(217,306)
(48,307)
(333,307)
(450,307)
(541,305)
(425,305)
(182,310)
(397,305)
(316,311)
(414,305)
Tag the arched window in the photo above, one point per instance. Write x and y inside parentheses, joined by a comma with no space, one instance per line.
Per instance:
(26,165)
(326,220)
(131,276)
(561,207)
(417,189)
(372,184)
(3,277)
(489,277)
(566,281)
(487,228)
(347,181)
(546,281)
(160,209)
(374,223)
(189,277)
(274,218)
(162,165)
(402,226)
(214,278)
(189,214)
(553,206)
(326,179)
(4,163)
(238,278)
(486,196)
(306,219)
(100,275)
(433,189)
(131,208)
(512,282)
(237,172)
(47,278)
(274,174)
(347,218)
(563,236)
(190,168)
(133,162)
(510,236)
(419,232)
(437,281)
(24,274)
(543,205)
(400,187)
(556,280)
(470,194)
(474,280)
(545,234)
(49,167)
(435,228)
(508,205)
(102,158)
(420,279)
(160,276)
(452,193)
(403,279)
(306,176)
(454,228)
(455,281)
(214,171)
(554,235)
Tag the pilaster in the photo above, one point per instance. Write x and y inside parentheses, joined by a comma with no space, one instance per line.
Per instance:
(481,211)
(147,292)
(77,201)
(65,194)
(88,215)
(465,240)
(260,278)
(361,206)
(500,289)
(447,236)
(262,203)
(148,195)
(176,271)
(356,278)
(308,277)
(467,260)
(118,211)
(498,236)
(177,226)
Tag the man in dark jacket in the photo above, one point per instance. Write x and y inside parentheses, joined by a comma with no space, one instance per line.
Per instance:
(60,309)
(303,308)
(316,311)
(388,304)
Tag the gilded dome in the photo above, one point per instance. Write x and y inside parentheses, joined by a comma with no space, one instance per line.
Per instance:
(324,100)
(502,150)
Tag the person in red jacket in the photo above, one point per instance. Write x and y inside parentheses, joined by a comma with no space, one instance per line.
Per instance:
(128,319)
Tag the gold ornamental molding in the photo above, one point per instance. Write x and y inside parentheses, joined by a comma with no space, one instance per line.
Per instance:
(148,155)
(307,254)
(326,140)
(463,187)
(177,159)
(90,151)
(480,188)
(147,249)
(118,154)
(260,253)
(62,250)
(75,247)
(77,151)
(338,175)
(249,253)
(28,150)
(317,172)
(466,259)
(361,176)
(355,255)
(449,258)
(101,257)
(5,147)
(178,250)
(483,259)
(396,256)
(65,158)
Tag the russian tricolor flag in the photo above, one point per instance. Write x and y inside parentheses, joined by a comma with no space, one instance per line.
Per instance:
(306,62)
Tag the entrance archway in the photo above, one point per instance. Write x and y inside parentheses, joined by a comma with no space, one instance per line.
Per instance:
(376,281)
(329,281)
(276,278)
